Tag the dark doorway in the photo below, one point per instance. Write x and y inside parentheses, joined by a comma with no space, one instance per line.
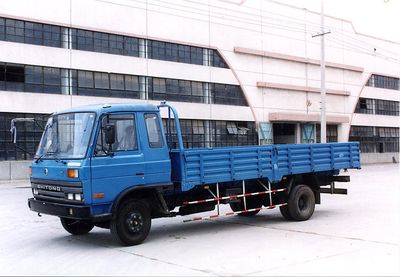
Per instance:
(284,133)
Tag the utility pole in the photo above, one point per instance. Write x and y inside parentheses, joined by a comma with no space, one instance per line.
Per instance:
(323,89)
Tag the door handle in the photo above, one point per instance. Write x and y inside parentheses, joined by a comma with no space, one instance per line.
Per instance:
(139,173)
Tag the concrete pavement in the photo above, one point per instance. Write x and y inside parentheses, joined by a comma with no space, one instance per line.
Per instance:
(357,234)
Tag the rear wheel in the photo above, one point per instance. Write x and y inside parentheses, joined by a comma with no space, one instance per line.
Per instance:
(76,227)
(132,223)
(301,204)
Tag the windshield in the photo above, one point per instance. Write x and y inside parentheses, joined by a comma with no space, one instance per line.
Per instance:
(66,136)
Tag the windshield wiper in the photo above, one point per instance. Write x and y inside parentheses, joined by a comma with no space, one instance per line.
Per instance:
(57,159)
(39,158)
(44,154)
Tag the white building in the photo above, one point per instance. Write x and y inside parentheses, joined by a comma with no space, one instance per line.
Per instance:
(239,72)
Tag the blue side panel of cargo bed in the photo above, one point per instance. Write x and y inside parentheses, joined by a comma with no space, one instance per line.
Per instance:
(194,167)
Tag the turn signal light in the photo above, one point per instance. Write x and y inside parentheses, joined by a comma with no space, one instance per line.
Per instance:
(72,173)
(98,195)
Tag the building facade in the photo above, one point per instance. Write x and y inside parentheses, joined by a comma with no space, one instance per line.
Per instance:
(238,72)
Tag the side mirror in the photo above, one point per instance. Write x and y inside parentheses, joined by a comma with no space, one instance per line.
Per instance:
(109,132)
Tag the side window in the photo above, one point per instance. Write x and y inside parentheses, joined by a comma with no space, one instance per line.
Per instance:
(125,134)
(153,130)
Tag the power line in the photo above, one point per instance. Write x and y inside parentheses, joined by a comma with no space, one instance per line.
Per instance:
(246,21)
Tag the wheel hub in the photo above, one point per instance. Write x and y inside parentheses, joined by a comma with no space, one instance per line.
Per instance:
(302,203)
(134,222)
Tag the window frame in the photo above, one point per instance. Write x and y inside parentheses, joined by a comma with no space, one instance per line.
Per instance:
(99,135)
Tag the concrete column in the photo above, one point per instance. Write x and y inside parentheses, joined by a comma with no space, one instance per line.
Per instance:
(298,133)
(143,86)
(143,48)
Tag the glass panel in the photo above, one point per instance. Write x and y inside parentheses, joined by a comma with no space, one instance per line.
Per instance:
(117,81)
(66,136)
(131,46)
(14,30)
(51,35)
(196,55)
(85,79)
(51,76)
(116,44)
(132,83)
(2,28)
(100,41)
(125,134)
(101,80)
(153,130)
(184,54)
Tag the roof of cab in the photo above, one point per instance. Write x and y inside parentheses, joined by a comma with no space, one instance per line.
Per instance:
(115,107)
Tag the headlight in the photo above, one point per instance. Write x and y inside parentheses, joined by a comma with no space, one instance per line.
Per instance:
(78,197)
(70,196)
(35,191)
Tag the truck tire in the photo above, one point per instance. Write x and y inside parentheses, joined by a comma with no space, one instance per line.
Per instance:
(239,206)
(301,204)
(131,225)
(76,227)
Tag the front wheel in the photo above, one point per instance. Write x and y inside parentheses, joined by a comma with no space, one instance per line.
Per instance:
(301,204)
(75,226)
(132,223)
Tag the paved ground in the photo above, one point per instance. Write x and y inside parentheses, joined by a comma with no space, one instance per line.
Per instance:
(357,234)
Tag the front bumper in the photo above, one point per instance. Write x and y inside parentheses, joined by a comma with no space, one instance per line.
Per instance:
(61,210)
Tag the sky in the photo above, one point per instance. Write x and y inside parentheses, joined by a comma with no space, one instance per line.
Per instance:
(380,18)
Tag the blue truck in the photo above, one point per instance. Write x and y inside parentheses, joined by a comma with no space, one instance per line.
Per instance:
(116,167)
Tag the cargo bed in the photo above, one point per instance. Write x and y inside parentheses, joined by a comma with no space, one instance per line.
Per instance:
(199,166)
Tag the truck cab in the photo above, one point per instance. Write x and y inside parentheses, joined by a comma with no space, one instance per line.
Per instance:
(89,157)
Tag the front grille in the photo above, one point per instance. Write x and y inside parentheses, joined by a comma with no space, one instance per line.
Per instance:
(56,191)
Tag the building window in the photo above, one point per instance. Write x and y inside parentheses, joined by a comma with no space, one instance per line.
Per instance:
(196,55)
(198,92)
(33,33)
(51,80)
(2,29)
(216,59)
(171,52)
(33,78)
(101,80)
(86,83)
(15,30)
(14,77)
(131,46)
(159,85)
(100,42)
(116,44)
(212,133)
(51,35)
(86,40)
(375,139)
(379,81)
(117,82)
(227,95)
(331,133)
(85,79)
(184,53)
(28,136)
(377,106)
(30,78)
(132,83)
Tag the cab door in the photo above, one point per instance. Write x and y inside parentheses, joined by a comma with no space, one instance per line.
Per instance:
(118,166)
(158,163)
